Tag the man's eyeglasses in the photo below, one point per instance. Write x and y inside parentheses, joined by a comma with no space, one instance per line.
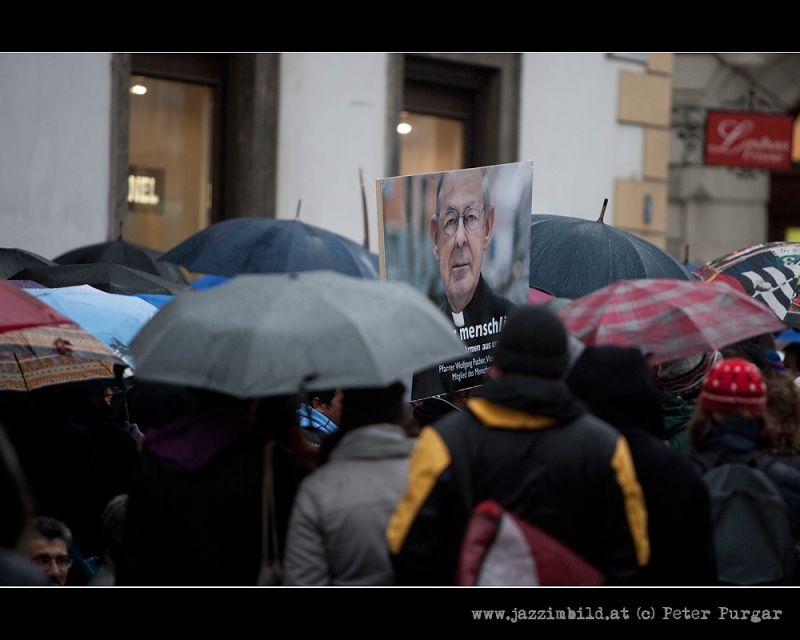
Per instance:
(44,561)
(472,220)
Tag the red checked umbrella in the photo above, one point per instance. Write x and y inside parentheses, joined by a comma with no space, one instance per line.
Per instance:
(769,273)
(667,319)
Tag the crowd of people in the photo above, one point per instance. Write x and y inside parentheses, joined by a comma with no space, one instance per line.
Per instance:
(624,464)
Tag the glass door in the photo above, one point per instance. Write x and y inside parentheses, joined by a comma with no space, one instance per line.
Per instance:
(170,156)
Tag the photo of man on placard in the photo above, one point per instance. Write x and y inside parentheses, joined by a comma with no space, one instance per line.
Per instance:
(461,230)
(463,238)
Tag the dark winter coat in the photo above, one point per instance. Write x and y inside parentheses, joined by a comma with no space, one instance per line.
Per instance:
(618,386)
(195,506)
(529,444)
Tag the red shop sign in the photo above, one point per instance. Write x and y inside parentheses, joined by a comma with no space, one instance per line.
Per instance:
(754,140)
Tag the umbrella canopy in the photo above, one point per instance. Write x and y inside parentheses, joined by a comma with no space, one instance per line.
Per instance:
(571,257)
(768,272)
(260,245)
(125,253)
(41,347)
(19,310)
(26,373)
(667,319)
(111,318)
(106,276)
(59,339)
(261,335)
(14,260)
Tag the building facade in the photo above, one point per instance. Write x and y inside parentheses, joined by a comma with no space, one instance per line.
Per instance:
(215,136)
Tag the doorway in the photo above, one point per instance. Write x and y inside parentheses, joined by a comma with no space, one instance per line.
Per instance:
(170,185)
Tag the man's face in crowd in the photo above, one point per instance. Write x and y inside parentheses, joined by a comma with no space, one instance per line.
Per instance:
(51,556)
(333,410)
(460,255)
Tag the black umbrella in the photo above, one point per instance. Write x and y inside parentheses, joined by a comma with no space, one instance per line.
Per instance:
(125,253)
(14,260)
(571,257)
(260,245)
(106,276)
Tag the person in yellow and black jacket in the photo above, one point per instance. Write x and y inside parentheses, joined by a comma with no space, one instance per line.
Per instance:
(526,442)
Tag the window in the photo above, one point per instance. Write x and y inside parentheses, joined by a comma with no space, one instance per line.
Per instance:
(196,144)
(462,110)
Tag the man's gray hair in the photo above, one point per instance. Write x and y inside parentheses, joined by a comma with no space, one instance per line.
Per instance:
(52,529)
(487,193)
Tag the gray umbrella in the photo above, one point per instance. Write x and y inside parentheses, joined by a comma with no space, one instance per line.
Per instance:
(261,335)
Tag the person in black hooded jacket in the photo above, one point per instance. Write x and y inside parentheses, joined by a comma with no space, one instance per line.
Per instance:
(619,388)
(527,443)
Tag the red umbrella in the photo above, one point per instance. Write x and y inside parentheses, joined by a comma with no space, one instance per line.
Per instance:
(19,310)
(667,319)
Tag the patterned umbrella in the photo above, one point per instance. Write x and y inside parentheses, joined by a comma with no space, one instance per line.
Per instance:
(667,319)
(41,347)
(768,272)
(25,373)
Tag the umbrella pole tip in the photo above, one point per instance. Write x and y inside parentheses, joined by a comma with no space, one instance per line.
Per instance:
(297,215)
(603,210)
(119,237)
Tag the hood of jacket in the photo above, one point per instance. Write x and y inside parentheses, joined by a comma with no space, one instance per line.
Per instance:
(536,396)
(191,442)
(619,387)
(373,442)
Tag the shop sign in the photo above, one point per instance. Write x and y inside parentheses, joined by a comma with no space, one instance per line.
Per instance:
(145,190)
(754,140)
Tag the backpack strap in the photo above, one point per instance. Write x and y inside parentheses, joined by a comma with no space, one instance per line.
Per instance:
(760,460)
(707,460)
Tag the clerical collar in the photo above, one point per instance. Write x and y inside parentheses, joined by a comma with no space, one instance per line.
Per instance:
(458,318)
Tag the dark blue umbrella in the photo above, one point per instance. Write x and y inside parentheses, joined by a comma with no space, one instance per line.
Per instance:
(261,245)
(571,257)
